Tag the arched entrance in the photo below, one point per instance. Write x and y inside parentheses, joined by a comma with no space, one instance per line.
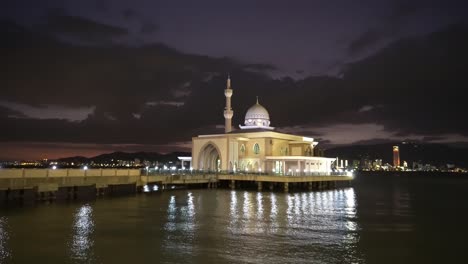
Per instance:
(210,158)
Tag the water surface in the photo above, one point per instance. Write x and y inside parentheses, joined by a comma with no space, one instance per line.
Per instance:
(381,219)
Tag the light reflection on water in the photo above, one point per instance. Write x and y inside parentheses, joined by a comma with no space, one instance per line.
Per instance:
(308,223)
(83,228)
(379,220)
(4,236)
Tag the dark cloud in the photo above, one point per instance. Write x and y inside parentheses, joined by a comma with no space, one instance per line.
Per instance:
(418,81)
(79,28)
(413,86)
(401,9)
(101,5)
(400,12)
(148,27)
(129,13)
(367,39)
(9,113)
(432,138)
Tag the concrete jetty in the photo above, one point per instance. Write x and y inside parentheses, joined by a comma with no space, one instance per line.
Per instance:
(29,185)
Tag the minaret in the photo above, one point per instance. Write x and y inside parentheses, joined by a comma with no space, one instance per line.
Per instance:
(228,113)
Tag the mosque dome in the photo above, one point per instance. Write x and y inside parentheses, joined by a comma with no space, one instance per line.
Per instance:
(257,116)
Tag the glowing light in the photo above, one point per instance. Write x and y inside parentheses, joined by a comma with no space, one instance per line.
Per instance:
(83,229)
(85,167)
(54,167)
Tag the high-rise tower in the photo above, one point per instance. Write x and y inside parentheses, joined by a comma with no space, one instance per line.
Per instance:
(228,113)
(396,156)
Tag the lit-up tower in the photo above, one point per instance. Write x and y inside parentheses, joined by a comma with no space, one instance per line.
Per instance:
(228,113)
(396,156)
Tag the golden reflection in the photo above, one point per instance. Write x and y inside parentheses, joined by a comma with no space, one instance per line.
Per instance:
(233,206)
(305,204)
(247,206)
(297,204)
(171,214)
(289,209)
(190,206)
(83,229)
(259,205)
(350,199)
(189,214)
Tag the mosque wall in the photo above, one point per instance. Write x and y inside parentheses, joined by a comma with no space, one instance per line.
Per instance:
(279,147)
(302,149)
(198,144)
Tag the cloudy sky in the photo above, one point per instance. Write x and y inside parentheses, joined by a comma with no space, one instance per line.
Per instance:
(88,77)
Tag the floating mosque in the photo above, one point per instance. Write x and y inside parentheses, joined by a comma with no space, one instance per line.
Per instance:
(256,147)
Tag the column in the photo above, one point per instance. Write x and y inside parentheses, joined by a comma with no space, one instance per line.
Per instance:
(286,187)
(259,186)
(233,184)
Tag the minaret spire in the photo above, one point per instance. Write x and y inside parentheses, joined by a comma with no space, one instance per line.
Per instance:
(228,113)
(257,99)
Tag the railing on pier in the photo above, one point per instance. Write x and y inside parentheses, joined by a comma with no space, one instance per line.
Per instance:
(155,172)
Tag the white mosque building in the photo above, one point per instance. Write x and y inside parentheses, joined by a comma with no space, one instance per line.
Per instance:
(256,147)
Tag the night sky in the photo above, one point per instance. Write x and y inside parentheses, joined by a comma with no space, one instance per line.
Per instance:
(89,77)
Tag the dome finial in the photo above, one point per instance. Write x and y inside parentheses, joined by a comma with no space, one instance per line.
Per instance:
(228,84)
(257,99)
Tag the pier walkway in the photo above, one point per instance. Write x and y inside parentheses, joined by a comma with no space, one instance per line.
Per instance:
(72,183)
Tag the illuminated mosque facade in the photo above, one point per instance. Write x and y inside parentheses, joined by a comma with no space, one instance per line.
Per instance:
(256,147)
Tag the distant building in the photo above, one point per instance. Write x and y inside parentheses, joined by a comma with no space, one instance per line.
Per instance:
(377,164)
(396,156)
(366,164)
(356,164)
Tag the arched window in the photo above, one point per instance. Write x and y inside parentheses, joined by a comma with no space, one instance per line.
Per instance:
(242,149)
(256,149)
